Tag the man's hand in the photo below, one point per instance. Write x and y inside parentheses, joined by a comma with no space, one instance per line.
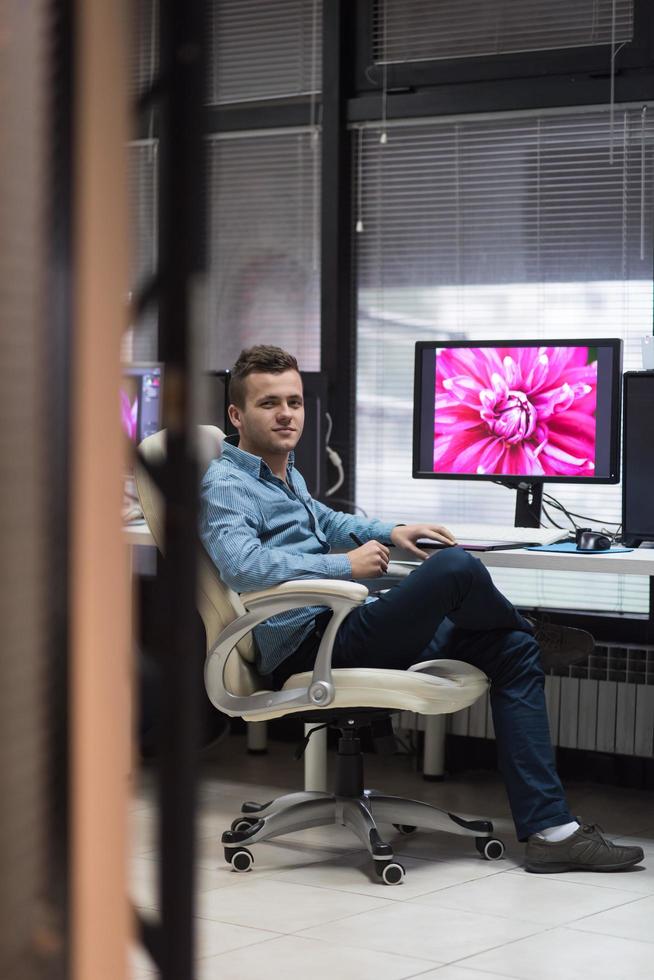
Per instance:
(406,535)
(370,560)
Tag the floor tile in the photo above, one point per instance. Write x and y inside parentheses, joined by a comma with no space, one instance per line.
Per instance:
(452,972)
(633,921)
(221,937)
(282,906)
(143,882)
(333,837)
(638,880)
(143,830)
(452,847)
(566,954)
(410,929)
(292,956)
(140,964)
(355,873)
(212,938)
(280,853)
(527,898)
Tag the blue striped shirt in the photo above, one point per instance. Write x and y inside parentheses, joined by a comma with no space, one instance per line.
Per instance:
(260,531)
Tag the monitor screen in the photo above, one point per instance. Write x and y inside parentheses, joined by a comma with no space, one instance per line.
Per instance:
(140,404)
(511,411)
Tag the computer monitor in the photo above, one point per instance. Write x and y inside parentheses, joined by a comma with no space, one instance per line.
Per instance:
(140,400)
(638,457)
(519,413)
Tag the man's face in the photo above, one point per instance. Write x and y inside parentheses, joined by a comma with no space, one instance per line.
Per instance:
(272,418)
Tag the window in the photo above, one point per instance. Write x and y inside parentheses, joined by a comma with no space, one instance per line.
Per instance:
(264,234)
(505,226)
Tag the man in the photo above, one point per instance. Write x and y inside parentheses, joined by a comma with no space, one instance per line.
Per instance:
(261,527)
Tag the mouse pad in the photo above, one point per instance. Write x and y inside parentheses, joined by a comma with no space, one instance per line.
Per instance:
(570,547)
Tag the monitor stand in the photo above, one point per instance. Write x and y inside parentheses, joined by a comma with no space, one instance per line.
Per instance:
(529,498)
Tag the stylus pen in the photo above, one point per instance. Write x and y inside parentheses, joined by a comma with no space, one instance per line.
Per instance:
(359,543)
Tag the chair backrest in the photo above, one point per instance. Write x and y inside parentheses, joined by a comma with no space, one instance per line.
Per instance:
(217,604)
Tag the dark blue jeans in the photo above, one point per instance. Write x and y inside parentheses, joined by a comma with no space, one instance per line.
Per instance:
(449,608)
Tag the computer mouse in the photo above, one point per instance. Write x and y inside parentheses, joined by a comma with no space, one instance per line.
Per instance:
(593,541)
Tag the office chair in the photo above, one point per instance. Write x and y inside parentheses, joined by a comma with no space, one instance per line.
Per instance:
(347,699)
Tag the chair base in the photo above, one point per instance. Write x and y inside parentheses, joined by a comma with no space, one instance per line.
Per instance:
(354,807)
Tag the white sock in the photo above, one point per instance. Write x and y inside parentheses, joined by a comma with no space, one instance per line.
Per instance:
(555,834)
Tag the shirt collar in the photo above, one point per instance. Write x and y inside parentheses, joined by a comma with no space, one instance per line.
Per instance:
(252,464)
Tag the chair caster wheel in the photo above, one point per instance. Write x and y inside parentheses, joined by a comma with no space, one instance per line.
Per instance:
(240,859)
(490,848)
(390,873)
(242,824)
(405,828)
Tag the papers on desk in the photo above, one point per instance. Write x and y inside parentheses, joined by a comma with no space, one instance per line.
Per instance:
(570,548)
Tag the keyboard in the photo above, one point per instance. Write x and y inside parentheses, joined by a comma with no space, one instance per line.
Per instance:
(469,533)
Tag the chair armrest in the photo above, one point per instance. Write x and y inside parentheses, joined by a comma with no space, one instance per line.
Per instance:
(299,587)
(341,597)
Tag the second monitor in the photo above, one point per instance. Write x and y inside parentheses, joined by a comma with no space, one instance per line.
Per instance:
(518,412)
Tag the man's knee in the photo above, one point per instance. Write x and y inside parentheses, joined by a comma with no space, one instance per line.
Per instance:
(454,561)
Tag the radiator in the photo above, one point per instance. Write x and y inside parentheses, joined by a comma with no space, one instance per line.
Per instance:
(604,705)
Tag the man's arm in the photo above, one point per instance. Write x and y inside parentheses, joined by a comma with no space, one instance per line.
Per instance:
(229,530)
(338,527)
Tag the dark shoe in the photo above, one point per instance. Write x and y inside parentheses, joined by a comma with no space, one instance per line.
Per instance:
(585,850)
(561,646)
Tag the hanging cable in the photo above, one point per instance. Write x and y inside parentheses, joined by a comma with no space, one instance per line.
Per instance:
(333,458)
(643,114)
(154,42)
(384,136)
(359,221)
(315,138)
(614,53)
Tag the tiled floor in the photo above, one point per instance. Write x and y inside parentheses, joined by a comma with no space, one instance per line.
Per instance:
(311,907)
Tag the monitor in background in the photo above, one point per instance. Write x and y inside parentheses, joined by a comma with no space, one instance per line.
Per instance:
(519,413)
(140,400)
(310,454)
(638,458)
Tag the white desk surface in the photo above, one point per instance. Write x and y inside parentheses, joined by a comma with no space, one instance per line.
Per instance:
(636,562)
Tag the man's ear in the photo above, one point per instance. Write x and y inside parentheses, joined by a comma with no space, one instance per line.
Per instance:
(234,413)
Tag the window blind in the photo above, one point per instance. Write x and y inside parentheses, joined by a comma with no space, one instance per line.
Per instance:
(497,227)
(264,49)
(140,342)
(264,244)
(144,40)
(417,30)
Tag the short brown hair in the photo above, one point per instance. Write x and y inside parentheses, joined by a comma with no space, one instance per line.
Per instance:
(261,359)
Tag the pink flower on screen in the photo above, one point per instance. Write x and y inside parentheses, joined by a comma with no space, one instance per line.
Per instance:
(515,411)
